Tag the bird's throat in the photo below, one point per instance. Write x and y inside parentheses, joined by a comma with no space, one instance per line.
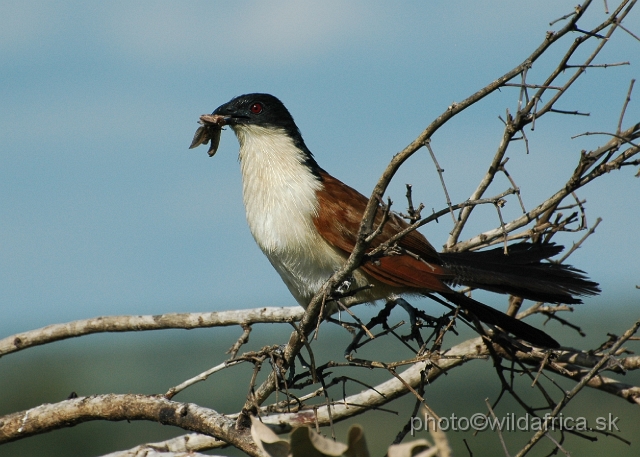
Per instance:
(279,190)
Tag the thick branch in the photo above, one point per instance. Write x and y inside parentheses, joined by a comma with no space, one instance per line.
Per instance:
(190,443)
(112,407)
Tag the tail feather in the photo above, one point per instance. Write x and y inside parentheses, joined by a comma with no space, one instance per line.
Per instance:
(521,273)
(492,316)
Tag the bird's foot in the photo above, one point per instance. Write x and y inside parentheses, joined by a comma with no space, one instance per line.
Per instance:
(345,286)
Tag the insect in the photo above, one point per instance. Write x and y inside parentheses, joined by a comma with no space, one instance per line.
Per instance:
(210,130)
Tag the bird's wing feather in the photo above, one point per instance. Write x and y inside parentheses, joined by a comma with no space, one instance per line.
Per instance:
(340,210)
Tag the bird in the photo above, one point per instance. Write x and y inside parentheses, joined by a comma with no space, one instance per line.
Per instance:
(306,222)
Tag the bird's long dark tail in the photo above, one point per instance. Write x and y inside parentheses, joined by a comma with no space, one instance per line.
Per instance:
(521,273)
(492,316)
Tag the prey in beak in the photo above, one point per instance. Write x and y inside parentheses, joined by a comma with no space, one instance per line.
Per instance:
(210,130)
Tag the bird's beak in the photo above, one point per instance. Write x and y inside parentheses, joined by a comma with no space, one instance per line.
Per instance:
(226,114)
(215,120)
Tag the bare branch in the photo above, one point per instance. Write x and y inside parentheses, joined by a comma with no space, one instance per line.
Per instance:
(190,443)
(624,106)
(440,171)
(601,65)
(201,377)
(57,332)
(68,413)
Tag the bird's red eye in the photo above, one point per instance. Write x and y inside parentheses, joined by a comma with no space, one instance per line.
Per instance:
(256,108)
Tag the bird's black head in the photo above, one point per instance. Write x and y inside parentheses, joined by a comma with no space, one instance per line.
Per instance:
(262,110)
(257,109)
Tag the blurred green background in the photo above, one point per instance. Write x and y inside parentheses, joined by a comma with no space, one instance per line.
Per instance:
(152,362)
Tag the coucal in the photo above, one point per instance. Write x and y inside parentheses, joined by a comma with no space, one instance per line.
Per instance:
(306,223)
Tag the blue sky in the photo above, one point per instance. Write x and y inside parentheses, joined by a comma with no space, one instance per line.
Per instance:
(104,210)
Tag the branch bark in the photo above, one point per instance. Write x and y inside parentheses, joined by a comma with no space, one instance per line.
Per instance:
(57,332)
(113,407)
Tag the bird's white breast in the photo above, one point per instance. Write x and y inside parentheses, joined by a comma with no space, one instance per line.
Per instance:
(279,192)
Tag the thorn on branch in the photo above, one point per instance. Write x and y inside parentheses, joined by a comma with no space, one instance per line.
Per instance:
(523,88)
(627,30)
(534,113)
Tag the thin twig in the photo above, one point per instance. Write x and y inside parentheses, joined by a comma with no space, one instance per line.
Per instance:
(574,113)
(498,429)
(576,245)
(628,31)
(440,170)
(243,339)
(601,65)
(624,106)
(199,378)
